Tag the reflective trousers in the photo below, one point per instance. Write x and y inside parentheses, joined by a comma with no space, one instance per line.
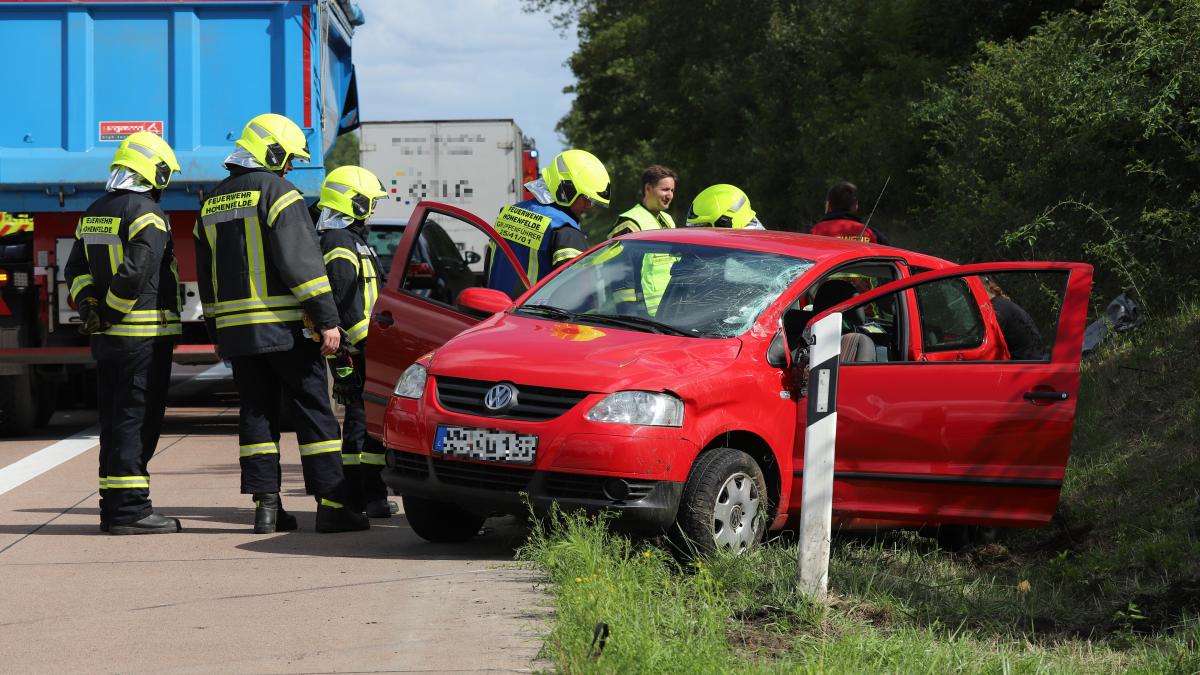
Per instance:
(133,375)
(295,378)
(362,456)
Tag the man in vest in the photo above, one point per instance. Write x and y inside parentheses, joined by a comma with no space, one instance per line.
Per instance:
(348,199)
(544,231)
(261,279)
(658,189)
(841,217)
(125,283)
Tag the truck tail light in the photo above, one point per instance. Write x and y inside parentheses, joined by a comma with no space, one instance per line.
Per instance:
(3,277)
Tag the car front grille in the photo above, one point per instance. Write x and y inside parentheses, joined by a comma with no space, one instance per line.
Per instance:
(482,476)
(534,404)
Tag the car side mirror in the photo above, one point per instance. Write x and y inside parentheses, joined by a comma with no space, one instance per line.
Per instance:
(485,301)
(471,257)
(777,352)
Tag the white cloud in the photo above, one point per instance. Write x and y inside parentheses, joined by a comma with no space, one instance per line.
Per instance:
(463,59)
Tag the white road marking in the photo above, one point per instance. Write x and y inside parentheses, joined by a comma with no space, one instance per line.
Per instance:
(47,458)
(32,466)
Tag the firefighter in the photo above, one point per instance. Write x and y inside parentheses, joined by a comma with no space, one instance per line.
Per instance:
(125,284)
(261,279)
(722,205)
(658,190)
(348,199)
(544,231)
(841,217)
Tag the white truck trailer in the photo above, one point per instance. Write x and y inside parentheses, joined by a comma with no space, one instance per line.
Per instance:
(478,165)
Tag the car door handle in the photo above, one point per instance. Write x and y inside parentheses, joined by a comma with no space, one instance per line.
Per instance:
(384,319)
(1046,396)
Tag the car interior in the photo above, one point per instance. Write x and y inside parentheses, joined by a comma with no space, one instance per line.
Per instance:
(870,334)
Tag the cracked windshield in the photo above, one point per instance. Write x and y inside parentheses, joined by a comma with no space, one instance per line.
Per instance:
(670,288)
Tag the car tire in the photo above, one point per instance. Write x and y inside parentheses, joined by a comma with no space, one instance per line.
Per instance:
(17,412)
(440,522)
(724,504)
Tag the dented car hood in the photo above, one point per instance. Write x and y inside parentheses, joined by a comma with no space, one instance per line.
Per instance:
(599,359)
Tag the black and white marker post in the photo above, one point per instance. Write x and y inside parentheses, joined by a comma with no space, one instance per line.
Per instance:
(817,498)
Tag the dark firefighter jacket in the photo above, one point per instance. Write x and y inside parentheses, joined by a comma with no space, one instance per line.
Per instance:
(124,258)
(259,265)
(353,271)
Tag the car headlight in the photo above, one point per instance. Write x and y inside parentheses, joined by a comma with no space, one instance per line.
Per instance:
(644,408)
(412,383)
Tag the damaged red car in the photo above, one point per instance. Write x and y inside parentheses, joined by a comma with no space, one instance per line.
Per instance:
(688,416)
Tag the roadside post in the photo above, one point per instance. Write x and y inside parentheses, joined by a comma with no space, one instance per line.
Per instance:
(816,513)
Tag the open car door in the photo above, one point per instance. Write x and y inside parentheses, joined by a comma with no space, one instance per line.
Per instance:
(416,311)
(972,421)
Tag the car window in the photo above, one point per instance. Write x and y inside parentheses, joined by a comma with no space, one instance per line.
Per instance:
(949,318)
(1023,307)
(709,291)
(881,321)
(384,240)
(441,248)
(1027,306)
(436,268)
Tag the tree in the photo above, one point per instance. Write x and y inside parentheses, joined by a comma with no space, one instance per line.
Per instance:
(1081,142)
(345,151)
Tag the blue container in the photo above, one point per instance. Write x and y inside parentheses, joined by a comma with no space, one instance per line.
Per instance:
(81,75)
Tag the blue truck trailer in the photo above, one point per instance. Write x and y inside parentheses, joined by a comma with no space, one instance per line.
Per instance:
(85,74)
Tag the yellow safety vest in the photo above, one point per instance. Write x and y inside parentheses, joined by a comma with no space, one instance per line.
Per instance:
(656,267)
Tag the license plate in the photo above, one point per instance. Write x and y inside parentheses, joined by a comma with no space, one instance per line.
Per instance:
(489,444)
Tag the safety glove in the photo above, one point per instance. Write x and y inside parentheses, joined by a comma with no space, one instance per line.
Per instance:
(89,314)
(347,378)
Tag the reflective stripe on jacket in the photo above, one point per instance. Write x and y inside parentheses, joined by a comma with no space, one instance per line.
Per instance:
(259,265)
(123,257)
(353,271)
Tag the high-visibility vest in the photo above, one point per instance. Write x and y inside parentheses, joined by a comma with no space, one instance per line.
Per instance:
(656,267)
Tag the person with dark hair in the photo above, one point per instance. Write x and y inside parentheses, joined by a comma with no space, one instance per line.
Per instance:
(841,217)
(658,189)
(1020,333)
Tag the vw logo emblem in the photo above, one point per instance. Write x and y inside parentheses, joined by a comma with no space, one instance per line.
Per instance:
(501,397)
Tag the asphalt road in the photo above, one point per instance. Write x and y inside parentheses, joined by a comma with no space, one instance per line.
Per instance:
(218,598)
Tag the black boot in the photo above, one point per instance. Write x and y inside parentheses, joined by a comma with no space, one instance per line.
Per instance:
(151,524)
(382,508)
(333,517)
(269,515)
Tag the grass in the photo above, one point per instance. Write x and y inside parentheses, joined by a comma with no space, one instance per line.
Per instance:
(1112,585)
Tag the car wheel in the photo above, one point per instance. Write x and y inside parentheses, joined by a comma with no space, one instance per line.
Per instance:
(440,521)
(724,504)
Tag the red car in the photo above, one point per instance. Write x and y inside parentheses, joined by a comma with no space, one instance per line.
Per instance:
(690,418)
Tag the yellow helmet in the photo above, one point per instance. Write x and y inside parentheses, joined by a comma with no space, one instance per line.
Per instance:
(720,205)
(147,155)
(273,140)
(574,173)
(351,190)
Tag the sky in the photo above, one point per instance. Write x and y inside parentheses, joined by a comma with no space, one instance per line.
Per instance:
(458,59)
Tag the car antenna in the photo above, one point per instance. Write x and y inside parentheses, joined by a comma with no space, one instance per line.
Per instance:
(868,223)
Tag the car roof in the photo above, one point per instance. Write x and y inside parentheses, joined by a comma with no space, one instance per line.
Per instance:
(792,244)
